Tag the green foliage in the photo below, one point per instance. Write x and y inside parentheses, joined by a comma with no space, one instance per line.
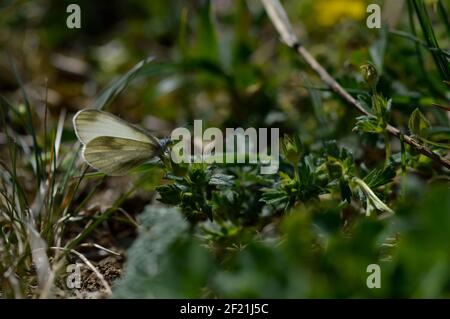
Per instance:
(239,194)
(164,262)
(209,191)
(306,255)
(422,264)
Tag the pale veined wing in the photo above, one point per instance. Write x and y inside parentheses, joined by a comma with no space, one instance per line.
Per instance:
(90,124)
(112,145)
(115,155)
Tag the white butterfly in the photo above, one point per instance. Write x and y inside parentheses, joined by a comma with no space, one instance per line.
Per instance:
(112,145)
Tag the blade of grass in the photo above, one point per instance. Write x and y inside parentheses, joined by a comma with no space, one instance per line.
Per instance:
(430,38)
(430,82)
(444,14)
(30,126)
(113,90)
(17,189)
(415,39)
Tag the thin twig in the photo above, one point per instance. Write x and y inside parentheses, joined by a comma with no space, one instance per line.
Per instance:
(281,22)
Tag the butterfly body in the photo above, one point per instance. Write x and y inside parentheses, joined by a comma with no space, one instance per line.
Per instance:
(113,146)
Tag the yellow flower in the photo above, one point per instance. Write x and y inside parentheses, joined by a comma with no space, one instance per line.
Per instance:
(330,12)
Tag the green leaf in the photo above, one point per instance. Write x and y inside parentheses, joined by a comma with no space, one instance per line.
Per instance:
(221,180)
(418,123)
(373,201)
(438,133)
(274,197)
(421,128)
(170,194)
(380,177)
(382,108)
(368,124)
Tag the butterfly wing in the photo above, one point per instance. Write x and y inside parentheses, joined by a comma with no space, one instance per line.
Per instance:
(112,145)
(115,155)
(90,124)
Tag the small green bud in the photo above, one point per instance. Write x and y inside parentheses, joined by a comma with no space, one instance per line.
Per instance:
(292,149)
(370,75)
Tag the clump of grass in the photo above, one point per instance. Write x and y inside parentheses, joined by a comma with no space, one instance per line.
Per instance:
(31,218)
(40,187)
(33,215)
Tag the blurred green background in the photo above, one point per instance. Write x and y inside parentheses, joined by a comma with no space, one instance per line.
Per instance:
(221,61)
